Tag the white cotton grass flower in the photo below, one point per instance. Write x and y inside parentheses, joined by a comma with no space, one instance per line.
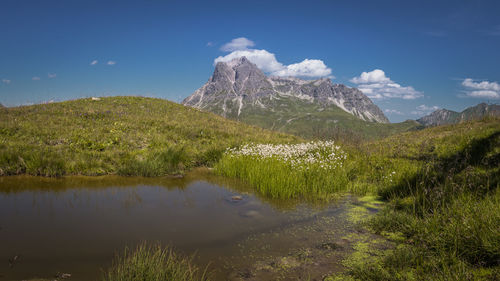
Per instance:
(321,154)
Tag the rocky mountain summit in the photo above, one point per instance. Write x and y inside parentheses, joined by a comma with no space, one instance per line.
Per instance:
(445,116)
(439,117)
(238,89)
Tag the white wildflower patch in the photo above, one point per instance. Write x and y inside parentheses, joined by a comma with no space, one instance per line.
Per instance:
(389,177)
(318,154)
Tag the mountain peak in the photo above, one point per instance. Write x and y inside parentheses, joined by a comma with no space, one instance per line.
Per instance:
(239,61)
(237,69)
(239,86)
(236,62)
(439,117)
(445,116)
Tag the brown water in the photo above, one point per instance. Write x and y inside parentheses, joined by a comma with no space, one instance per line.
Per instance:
(76,225)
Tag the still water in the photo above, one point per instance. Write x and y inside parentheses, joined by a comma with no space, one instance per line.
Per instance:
(77,224)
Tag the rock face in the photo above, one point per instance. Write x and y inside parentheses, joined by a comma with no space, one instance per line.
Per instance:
(239,87)
(439,117)
(479,111)
(445,116)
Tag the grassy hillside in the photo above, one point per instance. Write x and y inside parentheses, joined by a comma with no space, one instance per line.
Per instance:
(443,204)
(295,116)
(117,135)
(440,185)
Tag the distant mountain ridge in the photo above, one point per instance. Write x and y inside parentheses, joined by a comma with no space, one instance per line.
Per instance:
(445,116)
(238,89)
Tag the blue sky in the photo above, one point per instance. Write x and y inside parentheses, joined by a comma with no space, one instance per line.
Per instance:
(416,55)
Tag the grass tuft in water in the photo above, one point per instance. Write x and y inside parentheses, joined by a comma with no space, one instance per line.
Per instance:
(153,263)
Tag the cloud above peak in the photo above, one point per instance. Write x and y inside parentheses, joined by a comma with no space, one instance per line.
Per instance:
(423,110)
(375,76)
(483,85)
(376,85)
(481,89)
(306,68)
(236,44)
(267,62)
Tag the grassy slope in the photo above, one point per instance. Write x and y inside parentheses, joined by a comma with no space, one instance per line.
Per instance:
(312,121)
(441,186)
(117,135)
(443,203)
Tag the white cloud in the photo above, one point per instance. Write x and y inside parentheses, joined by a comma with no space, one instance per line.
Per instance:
(210,44)
(94,62)
(376,85)
(425,110)
(393,111)
(306,68)
(52,75)
(6,81)
(267,62)
(482,89)
(35,78)
(375,76)
(484,94)
(483,85)
(110,62)
(237,44)
(424,107)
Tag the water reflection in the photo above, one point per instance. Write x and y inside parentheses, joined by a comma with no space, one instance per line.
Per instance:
(77,224)
(20,184)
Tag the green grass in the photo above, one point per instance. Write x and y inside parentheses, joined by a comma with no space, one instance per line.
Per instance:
(153,263)
(117,135)
(441,191)
(291,178)
(442,204)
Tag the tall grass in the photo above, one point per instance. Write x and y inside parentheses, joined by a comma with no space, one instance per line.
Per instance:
(312,170)
(447,210)
(153,263)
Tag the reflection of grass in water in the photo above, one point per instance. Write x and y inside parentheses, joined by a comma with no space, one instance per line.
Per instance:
(153,263)
(23,183)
